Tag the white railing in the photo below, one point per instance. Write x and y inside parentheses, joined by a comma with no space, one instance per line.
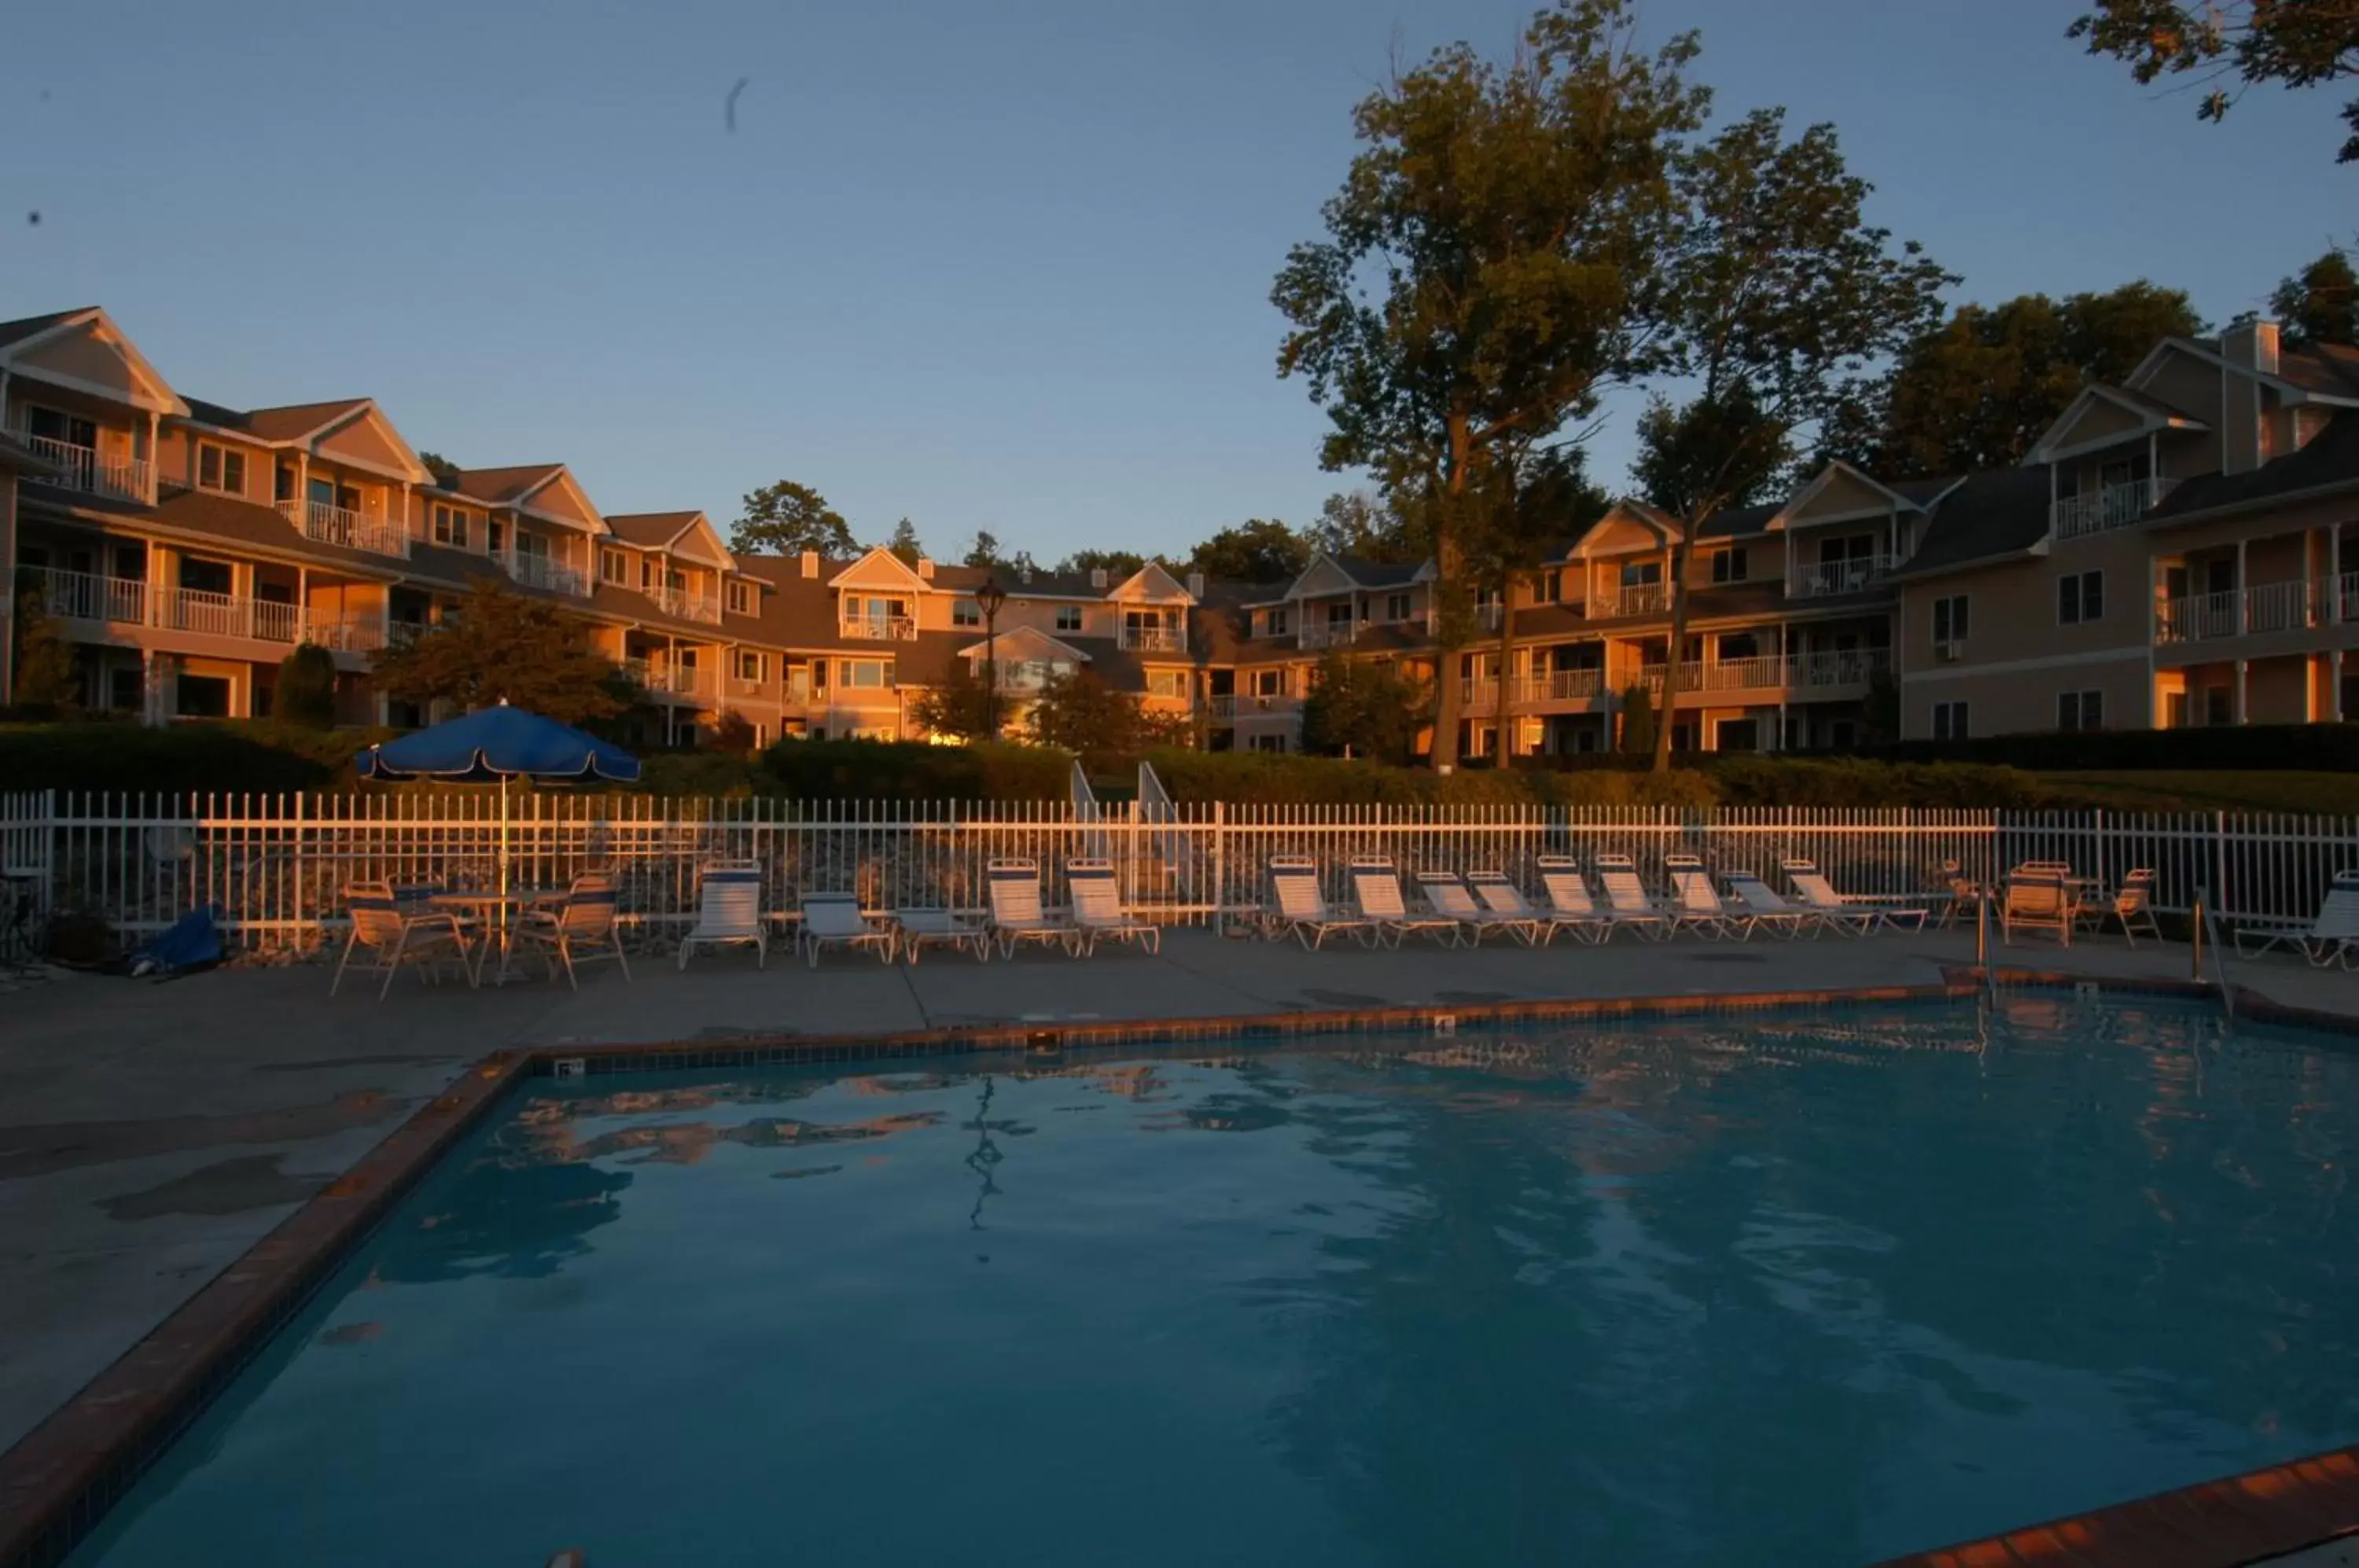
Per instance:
(1328,634)
(536,571)
(1151,638)
(82,468)
(1827,579)
(130,602)
(662,679)
(275,866)
(1742,674)
(1631,599)
(2347,598)
(326,524)
(87,596)
(2290,605)
(2109,507)
(878,628)
(1850,666)
(687,604)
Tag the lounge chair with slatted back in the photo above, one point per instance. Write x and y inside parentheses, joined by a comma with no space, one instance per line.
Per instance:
(2036,900)
(1570,907)
(2332,936)
(1447,895)
(1626,900)
(577,931)
(1302,908)
(728,911)
(1762,908)
(833,919)
(393,936)
(1017,916)
(1857,916)
(1098,911)
(1509,911)
(1376,886)
(1695,903)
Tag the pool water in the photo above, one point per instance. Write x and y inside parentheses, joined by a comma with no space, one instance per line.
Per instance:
(1778,1289)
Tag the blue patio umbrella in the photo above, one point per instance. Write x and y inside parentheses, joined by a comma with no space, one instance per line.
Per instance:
(496,744)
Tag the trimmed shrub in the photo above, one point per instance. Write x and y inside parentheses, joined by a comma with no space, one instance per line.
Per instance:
(1270,779)
(305,695)
(2273,748)
(1752,780)
(258,757)
(913,771)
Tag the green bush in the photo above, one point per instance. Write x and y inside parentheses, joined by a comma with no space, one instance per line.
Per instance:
(1853,782)
(1271,779)
(2319,748)
(305,696)
(258,756)
(913,771)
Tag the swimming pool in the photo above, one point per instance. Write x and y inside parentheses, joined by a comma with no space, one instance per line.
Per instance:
(1770,1289)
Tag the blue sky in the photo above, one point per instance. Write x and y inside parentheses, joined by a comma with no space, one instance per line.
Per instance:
(1000,266)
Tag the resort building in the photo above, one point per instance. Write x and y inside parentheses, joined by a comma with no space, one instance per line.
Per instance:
(2180,550)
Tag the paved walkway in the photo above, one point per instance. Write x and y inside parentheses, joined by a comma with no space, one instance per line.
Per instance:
(150,1133)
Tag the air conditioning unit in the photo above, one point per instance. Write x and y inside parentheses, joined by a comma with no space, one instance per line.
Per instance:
(1949,652)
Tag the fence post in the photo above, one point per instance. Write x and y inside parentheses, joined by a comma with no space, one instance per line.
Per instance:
(50,830)
(1220,867)
(2219,888)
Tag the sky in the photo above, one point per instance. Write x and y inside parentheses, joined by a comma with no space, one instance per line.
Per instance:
(1000,266)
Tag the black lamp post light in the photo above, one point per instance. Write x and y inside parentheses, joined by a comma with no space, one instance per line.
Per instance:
(989,598)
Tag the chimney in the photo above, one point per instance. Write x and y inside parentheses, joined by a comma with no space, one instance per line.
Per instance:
(926,567)
(1195,585)
(2253,344)
(1098,578)
(811,563)
(1023,569)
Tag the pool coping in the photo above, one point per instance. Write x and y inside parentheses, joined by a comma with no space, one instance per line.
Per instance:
(61,1477)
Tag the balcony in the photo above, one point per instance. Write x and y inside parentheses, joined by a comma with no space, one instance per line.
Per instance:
(2288,606)
(130,602)
(1227,707)
(670,682)
(2108,507)
(1809,672)
(534,570)
(82,468)
(877,628)
(341,525)
(688,605)
(1631,599)
(1328,634)
(1530,692)
(1849,667)
(1831,579)
(1148,638)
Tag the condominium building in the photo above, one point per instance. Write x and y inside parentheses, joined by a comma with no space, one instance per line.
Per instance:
(2174,554)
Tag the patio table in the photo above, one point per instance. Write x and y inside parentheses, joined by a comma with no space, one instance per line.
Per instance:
(495,915)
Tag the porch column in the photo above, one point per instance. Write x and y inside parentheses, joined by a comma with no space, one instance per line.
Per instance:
(2334,574)
(154,462)
(2240,618)
(303,605)
(2335,687)
(2244,667)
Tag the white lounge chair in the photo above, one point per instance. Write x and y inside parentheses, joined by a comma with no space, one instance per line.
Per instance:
(1627,902)
(922,929)
(1303,912)
(577,931)
(833,919)
(1376,887)
(1857,916)
(1695,902)
(728,911)
(1447,895)
(396,936)
(1509,909)
(1570,905)
(2132,905)
(1017,916)
(2036,900)
(1098,911)
(2331,937)
(1760,906)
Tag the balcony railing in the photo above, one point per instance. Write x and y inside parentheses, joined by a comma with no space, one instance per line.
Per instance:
(325,524)
(688,605)
(2288,606)
(1826,578)
(86,596)
(2109,507)
(130,602)
(878,628)
(1790,671)
(1247,705)
(82,468)
(1631,599)
(1848,667)
(1152,639)
(536,571)
(661,679)
(1328,634)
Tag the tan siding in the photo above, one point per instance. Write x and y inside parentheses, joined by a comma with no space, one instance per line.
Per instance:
(85,359)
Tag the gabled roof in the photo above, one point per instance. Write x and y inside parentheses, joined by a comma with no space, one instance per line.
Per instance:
(2151,414)
(23,336)
(505,486)
(2327,460)
(1837,469)
(299,422)
(1984,517)
(2331,369)
(690,535)
(2302,374)
(1153,583)
(1024,642)
(24,327)
(880,568)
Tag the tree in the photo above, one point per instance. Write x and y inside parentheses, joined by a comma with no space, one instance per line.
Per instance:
(1117,564)
(1259,549)
(2320,304)
(1526,505)
(958,705)
(47,677)
(445,471)
(2294,43)
(1487,265)
(733,734)
(984,552)
(306,691)
(496,644)
(1637,720)
(787,518)
(1781,300)
(903,543)
(1078,711)
(1975,392)
(1364,707)
(1363,524)
(1879,719)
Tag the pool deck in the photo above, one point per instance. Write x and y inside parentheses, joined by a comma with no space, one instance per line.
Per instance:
(151,1133)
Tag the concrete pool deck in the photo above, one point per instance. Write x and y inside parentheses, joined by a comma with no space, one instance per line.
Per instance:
(152,1133)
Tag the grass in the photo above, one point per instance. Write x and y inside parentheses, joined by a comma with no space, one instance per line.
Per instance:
(2318,794)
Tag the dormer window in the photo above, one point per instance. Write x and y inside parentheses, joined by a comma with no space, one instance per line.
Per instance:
(1728,565)
(1277,622)
(219,468)
(451,527)
(965,612)
(743,599)
(1069,617)
(613,567)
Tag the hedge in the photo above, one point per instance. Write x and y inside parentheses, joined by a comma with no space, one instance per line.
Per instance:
(2268,748)
(1254,778)
(255,757)
(911,770)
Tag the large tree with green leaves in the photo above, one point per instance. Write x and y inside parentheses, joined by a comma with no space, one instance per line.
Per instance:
(958,705)
(1117,564)
(499,644)
(2320,304)
(1526,505)
(986,553)
(787,518)
(1081,712)
(1487,265)
(305,694)
(46,679)
(1975,392)
(905,543)
(2292,43)
(1366,525)
(1259,549)
(1782,302)
(1363,708)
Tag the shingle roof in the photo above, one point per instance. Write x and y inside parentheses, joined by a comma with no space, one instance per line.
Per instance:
(1737,522)
(2330,368)
(27,326)
(2330,457)
(16,456)
(288,422)
(1987,515)
(649,530)
(502,486)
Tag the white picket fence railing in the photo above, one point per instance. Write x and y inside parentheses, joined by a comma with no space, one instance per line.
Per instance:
(275,868)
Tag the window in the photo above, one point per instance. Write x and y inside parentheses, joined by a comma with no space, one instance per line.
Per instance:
(868,674)
(1269,743)
(965,612)
(1339,614)
(2080,710)
(1549,592)
(613,565)
(1276,623)
(1167,684)
(202,697)
(1069,617)
(451,528)
(1950,620)
(1636,573)
(1735,646)
(1269,682)
(219,468)
(126,689)
(1949,721)
(1728,565)
(745,599)
(1396,607)
(495,534)
(752,665)
(2080,596)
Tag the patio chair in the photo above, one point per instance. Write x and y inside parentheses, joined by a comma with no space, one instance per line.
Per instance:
(1303,912)
(1857,916)
(2036,900)
(2132,905)
(1447,895)
(2332,936)
(577,931)
(729,910)
(396,936)
(1017,916)
(1963,892)
(1760,906)
(1695,902)
(1509,909)
(1570,907)
(1098,911)
(1376,888)
(922,929)
(1627,902)
(833,919)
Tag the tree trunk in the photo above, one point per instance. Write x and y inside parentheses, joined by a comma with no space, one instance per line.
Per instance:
(1675,589)
(1449,568)
(1503,748)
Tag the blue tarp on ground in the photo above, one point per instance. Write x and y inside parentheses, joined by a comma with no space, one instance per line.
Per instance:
(499,743)
(193,942)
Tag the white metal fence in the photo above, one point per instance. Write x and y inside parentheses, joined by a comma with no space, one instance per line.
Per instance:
(275,867)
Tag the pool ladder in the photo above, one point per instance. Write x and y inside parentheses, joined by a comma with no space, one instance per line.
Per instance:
(2205,928)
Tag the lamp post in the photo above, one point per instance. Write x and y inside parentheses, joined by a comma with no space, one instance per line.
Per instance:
(989,598)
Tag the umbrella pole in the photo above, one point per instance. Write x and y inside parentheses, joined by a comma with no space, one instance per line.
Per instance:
(504,837)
